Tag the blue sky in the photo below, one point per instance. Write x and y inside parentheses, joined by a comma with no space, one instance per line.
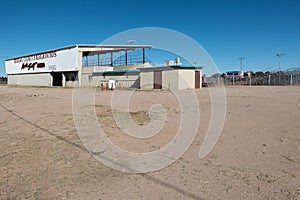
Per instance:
(256,29)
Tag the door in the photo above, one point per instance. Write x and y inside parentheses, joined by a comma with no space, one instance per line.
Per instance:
(197,79)
(157,82)
(57,78)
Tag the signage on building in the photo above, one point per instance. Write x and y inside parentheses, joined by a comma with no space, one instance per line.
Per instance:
(32,65)
(35,57)
(60,60)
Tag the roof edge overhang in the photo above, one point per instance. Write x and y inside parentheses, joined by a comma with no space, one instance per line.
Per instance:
(112,46)
(97,47)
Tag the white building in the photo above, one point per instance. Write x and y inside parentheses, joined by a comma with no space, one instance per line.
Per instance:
(94,66)
(171,77)
(72,66)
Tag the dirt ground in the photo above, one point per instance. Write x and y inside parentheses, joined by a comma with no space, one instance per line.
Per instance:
(256,157)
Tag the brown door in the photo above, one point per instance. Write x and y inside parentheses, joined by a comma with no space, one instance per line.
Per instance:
(197,79)
(157,82)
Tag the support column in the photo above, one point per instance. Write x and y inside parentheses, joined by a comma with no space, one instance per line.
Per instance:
(250,80)
(79,69)
(51,80)
(63,80)
(98,59)
(111,59)
(144,59)
(126,57)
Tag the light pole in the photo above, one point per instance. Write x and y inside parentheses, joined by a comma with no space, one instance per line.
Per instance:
(241,63)
(279,55)
(241,68)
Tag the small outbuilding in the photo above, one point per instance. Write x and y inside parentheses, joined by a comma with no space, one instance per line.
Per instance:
(171,77)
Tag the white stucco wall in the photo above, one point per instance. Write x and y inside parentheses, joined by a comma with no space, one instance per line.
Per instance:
(122,82)
(178,79)
(170,79)
(71,84)
(146,80)
(43,79)
(186,79)
(90,69)
(56,60)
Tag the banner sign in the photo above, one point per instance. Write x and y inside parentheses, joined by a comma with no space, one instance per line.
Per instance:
(61,60)
(35,57)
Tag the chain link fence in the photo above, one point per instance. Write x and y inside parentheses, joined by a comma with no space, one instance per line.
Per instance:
(288,77)
(277,78)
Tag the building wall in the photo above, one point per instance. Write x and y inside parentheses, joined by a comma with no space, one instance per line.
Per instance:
(90,69)
(122,82)
(146,80)
(132,67)
(44,62)
(71,84)
(43,79)
(127,67)
(79,63)
(86,80)
(178,79)
(186,79)
(170,79)
(86,75)
(200,78)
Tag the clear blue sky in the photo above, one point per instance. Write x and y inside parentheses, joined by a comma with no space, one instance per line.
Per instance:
(256,29)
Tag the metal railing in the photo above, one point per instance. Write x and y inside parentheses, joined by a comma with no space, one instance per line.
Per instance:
(288,77)
(118,61)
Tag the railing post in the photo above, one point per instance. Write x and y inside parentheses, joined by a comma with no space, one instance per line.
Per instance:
(144,59)
(111,59)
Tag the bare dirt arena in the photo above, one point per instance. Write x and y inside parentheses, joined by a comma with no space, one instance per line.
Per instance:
(256,157)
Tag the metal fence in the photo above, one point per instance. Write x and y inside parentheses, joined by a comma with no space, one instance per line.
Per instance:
(289,77)
(278,78)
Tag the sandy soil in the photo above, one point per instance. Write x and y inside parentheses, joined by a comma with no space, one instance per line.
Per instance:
(257,156)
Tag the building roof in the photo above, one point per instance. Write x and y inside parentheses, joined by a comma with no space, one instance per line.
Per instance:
(98,48)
